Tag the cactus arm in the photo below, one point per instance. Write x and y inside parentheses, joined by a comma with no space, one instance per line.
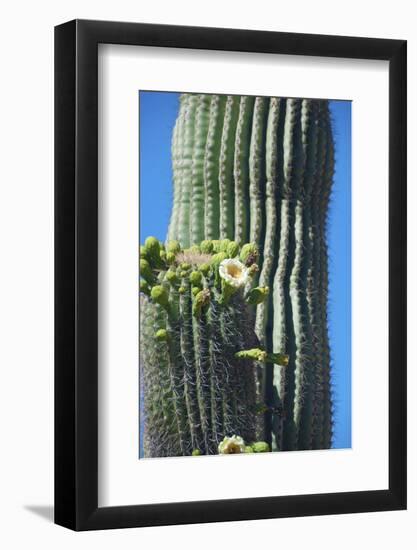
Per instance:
(186,172)
(211,168)
(197,169)
(226,167)
(241,169)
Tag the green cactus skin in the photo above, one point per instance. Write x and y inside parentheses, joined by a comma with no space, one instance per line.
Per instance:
(241,170)
(226,163)
(177,153)
(197,223)
(268,172)
(257,170)
(198,389)
(211,167)
(184,217)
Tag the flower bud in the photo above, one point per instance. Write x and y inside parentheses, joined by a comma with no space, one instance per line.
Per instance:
(260,447)
(206,247)
(196,278)
(145,271)
(249,254)
(161,335)
(159,294)
(173,246)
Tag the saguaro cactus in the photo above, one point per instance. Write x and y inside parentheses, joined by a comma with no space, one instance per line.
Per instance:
(198,347)
(261,169)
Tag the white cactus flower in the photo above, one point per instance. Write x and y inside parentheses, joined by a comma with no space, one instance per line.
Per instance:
(233,272)
(232,445)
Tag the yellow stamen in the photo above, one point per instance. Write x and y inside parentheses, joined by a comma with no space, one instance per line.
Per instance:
(234,271)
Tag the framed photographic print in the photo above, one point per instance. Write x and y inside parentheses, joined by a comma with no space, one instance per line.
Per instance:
(230,275)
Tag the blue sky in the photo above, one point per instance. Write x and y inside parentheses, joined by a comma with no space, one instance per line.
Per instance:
(158,111)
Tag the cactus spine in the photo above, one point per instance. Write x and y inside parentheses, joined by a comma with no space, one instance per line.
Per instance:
(198,347)
(266,177)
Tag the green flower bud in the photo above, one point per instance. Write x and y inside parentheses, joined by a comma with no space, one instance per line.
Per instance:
(183,274)
(170,258)
(257,295)
(278,359)
(260,447)
(173,246)
(163,255)
(195,249)
(196,278)
(185,266)
(256,354)
(159,294)
(227,291)
(182,290)
(206,247)
(145,271)
(201,300)
(248,449)
(205,269)
(253,269)
(261,408)
(249,254)
(216,246)
(196,452)
(153,249)
(152,246)
(171,277)
(231,445)
(144,288)
(143,253)
(218,258)
(161,335)
(195,290)
(224,243)
(232,249)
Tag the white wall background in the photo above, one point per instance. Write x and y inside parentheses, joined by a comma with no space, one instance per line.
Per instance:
(26,272)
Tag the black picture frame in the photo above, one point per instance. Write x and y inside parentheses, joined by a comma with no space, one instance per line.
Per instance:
(76,271)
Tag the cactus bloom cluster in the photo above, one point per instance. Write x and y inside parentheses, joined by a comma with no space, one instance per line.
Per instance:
(196,317)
